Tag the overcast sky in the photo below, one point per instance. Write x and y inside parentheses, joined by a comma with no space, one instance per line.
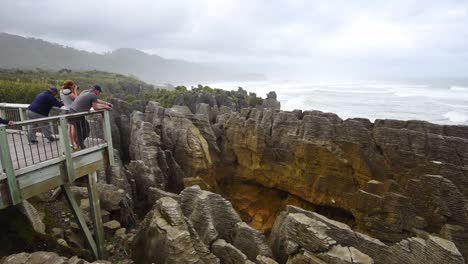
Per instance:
(294,37)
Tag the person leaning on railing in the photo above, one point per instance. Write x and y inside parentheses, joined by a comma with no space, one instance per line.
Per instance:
(83,103)
(68,94)
(6,122)
(40,108)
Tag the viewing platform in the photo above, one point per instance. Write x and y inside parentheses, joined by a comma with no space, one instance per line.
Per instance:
(27,170)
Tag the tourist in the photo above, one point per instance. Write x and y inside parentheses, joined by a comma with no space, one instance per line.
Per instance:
(83,103)
(6,122)
(40,108)
(68,94)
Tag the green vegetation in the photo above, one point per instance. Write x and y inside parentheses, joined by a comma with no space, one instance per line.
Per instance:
(167,97)
(21,86)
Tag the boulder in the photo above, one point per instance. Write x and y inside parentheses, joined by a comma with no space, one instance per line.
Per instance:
(250,241)
(165,236)
(227,253)
(265,260)
(110,196)
(155,194)
(319,237)
(212,216)
(111,227)
(41,257)
(120,233)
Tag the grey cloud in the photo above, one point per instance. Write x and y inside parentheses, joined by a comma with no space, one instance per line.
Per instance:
(362,34)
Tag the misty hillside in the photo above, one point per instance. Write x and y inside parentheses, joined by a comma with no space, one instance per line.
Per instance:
(30,53)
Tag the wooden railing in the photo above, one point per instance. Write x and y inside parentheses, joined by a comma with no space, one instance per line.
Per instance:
(29,168)
(17,112)
(17,154)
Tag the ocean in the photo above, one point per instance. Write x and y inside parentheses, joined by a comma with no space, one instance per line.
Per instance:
(373,100)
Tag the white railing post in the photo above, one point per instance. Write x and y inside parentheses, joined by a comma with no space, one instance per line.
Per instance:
(15,193)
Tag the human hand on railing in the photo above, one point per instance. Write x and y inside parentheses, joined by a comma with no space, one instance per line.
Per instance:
(109,106)
(10,123)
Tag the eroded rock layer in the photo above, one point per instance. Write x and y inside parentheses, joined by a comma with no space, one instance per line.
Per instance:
(40,257)
(389,179)
(301,236)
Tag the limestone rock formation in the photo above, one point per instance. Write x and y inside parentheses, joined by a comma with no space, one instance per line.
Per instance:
(335,165)
(215,219)
(33,216)
(270,102)
(118,202)
(389,179)
(110,196)
(250,241)
(212,216)
(193,100)
(41,257)
(228,254)
(186,141)
(301,236)
(265,260)
(117,174)
(151,166)
(165,236)
(156,194)
(121,127)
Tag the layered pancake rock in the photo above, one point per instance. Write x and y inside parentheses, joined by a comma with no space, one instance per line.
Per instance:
(389,179)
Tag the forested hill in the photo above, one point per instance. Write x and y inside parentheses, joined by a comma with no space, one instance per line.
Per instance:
(29,53)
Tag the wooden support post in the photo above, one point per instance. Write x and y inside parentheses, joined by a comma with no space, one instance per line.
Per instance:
(7,164)
(66,149)
(2,113)
(108,137)
(95,209)
(76,210)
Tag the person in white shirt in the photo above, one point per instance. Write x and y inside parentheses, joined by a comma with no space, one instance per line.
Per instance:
(68,94)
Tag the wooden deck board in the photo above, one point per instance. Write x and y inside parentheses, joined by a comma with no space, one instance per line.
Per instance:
(24,154)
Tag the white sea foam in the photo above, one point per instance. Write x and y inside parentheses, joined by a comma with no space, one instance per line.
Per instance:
(373,100)
(459,88)
(456,117)
(295,102)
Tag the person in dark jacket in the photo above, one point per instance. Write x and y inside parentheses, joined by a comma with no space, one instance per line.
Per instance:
(6,122)
(40,108)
